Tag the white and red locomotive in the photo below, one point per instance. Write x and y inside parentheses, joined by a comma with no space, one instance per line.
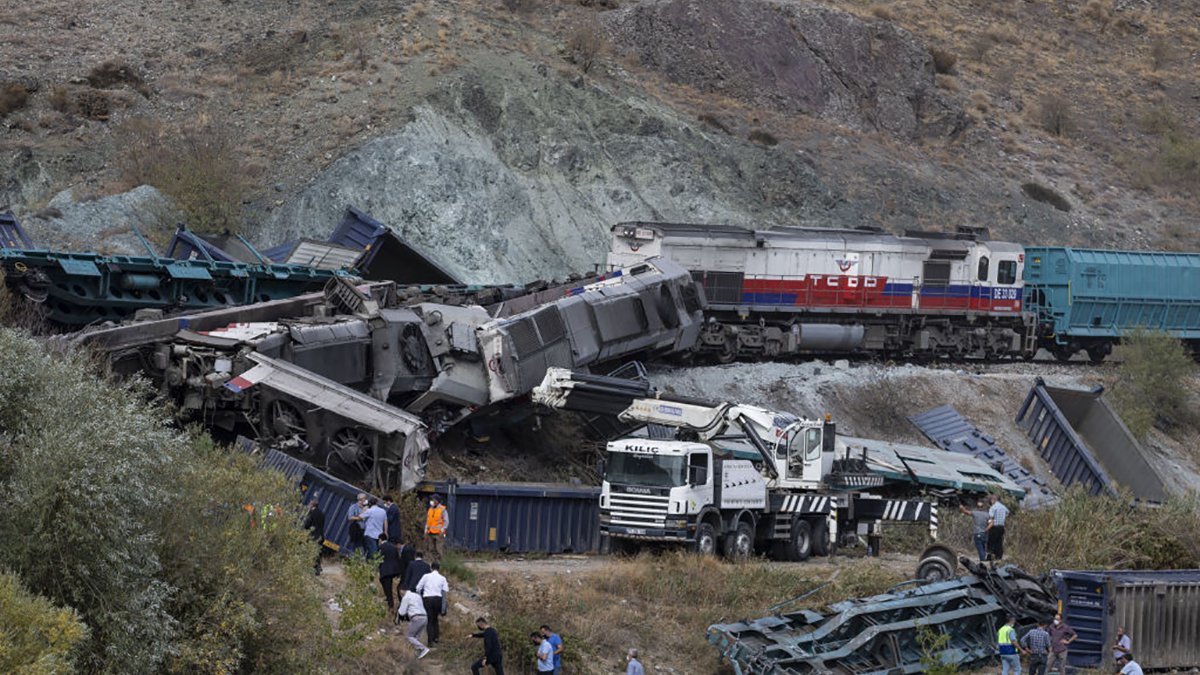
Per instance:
(806,290)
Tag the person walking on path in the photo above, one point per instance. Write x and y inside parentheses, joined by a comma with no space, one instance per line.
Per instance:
(436,522)
(314,522)
(492,655)
(997,517)
(374,524)
(413,610)
(980,520)
(433,588)
(1006,639)
(407,555)
(1123,646)
(389,568)
(557,643)
(416,569)
(1061,635)
(632,665)
(354,514)
(545,653)
(1037,645)
(393,519)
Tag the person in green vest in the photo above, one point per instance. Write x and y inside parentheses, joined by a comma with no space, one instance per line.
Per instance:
(1007,640)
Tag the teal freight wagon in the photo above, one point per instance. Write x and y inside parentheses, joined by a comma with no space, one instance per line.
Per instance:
(1087,299)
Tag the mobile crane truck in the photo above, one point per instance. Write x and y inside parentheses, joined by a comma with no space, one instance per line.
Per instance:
(736,479)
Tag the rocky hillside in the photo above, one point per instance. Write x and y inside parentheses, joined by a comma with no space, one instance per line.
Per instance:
(506,138)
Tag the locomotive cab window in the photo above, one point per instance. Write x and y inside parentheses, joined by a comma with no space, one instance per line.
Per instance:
(1006,272)
(983,268)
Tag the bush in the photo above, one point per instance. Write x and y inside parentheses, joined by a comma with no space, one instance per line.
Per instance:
(106,510)
(1085,531)
(1056,115)
(198,166)
(1151,389)
(584,46)
(35,636)
(13,97)
(943,61)
(763,138)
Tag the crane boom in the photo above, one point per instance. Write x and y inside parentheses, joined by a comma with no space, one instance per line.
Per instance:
(637,401)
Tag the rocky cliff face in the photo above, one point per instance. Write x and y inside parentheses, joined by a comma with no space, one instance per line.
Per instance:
(514,172)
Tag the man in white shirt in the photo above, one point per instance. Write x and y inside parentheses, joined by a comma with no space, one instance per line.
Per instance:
(413,609)
(1129,666)
(997,518)
(545,652)
(433,587)
(1123,646)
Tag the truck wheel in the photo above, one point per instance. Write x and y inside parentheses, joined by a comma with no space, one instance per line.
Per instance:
(706,539)
(802,540)
(820,538)
(739,544)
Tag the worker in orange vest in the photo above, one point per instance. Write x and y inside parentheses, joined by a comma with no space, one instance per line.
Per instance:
(436,522)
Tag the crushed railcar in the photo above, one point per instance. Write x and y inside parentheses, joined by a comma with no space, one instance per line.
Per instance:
(358,379)
(879,635)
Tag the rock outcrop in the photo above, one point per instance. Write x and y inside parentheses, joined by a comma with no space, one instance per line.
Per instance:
(792,57)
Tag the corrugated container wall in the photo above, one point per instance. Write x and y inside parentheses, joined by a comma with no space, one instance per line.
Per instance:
(1160,611)
(520,517)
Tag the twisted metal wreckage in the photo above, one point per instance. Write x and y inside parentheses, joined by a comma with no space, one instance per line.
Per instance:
(880,635)
(358,378)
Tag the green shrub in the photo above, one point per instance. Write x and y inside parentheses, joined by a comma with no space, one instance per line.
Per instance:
(36,638)
(1151,389)
(143,532)
(198,166)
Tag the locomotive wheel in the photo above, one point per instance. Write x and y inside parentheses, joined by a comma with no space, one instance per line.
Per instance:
(350,450)
(1096,353)
(284,419)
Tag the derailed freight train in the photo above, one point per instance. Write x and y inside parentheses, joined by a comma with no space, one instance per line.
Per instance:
(787,290)
(356,380)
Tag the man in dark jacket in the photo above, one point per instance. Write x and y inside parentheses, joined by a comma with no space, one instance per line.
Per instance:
(389,568)
(416,569)
(393,519)
(408,553)
(491,648)
(314,522)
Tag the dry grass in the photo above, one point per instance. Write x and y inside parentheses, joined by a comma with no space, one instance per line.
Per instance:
(601,614)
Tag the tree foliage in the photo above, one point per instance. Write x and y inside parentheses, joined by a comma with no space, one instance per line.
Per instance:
(143,531)
(36,638)
(1152,388)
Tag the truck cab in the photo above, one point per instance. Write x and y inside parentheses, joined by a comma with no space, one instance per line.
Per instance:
(654,490)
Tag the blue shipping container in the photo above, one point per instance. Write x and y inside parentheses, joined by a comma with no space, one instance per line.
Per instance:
(1090,293)
(1160,611)
(334,496)
(520,517)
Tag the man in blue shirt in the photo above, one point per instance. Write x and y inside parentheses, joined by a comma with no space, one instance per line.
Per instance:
(374,524)
(354,531)
(633,666)
(556,643)
(545,653)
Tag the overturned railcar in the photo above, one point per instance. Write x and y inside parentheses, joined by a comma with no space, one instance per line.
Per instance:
(357,380)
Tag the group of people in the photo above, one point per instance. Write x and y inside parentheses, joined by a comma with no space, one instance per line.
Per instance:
(1047,645)
(989,528)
